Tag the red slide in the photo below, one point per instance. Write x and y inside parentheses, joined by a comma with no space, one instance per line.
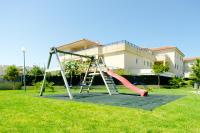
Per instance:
(126,83)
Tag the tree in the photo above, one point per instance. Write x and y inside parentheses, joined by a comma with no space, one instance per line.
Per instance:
(11,74)
(159,68)
(35,71)
(195,75)
(71,69)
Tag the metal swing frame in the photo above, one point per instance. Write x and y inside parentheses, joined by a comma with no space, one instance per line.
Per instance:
(55,51)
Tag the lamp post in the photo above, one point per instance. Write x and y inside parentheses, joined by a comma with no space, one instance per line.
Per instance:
(24,67)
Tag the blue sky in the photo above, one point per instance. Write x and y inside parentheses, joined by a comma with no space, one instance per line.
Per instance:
(40,24)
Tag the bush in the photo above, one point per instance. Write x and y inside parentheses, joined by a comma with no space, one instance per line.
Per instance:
(176,82)
(189,82)
(9,85)
(48,85)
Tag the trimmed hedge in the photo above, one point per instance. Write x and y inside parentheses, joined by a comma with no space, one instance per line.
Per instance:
(5,85)
(145,80)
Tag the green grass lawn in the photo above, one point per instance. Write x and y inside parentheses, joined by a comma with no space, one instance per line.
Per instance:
(25,112)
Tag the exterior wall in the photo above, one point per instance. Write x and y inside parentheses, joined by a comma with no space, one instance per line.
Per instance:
(132,58)
(178,64)
(115,60)
(138,64)
(114,55)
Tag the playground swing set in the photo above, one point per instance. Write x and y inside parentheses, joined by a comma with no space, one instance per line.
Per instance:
(95,67)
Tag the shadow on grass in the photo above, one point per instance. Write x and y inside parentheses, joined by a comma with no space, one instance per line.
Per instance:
(123,99)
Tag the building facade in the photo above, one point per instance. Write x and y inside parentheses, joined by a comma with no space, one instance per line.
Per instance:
(128,56)
(188,63)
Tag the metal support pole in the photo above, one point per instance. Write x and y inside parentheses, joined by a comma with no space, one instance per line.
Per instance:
(45,74)
(24,71)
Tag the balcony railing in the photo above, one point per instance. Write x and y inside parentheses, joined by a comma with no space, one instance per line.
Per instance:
(130,44)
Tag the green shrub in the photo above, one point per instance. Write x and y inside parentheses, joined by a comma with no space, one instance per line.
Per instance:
(189,82)
(9,85)
(176,82)
(47,85)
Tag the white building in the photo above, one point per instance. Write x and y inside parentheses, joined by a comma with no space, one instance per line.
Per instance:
(173,56)
(128,56)
(188,63)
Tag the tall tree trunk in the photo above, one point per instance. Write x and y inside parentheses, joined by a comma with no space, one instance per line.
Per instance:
(158,80)
(13,85)
(35,79)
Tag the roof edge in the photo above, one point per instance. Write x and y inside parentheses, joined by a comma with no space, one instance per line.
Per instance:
(166,48)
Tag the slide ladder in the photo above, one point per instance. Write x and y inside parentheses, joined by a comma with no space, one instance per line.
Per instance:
(107,79)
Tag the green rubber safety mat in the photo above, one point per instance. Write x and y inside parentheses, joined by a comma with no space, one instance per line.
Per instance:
(150,102)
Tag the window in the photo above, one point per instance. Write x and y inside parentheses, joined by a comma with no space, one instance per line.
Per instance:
(144,63)
(136,61)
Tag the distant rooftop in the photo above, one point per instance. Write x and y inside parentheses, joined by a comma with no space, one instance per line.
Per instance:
(191,58)
(163,48)
(78,45)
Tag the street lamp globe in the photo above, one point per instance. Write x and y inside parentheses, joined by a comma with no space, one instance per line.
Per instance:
(23,49)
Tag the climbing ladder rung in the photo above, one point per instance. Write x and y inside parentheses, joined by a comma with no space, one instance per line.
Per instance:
(88,82)
(94,74)
(110,83)
(108,80)
(85,89)
(89,77)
